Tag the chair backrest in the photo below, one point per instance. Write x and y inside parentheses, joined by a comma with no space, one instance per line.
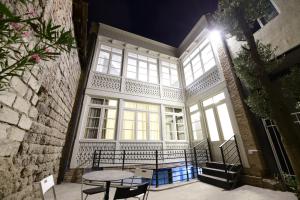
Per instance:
(46,184)
(144,173)
(127,192)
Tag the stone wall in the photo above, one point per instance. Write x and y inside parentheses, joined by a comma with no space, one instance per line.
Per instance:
(257,167)
(34,117)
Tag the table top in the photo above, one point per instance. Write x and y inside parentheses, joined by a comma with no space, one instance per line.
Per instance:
(107,175)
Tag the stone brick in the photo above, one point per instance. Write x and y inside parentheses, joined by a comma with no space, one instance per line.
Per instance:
(7,98)
(25,122)
(8,115)
(22,105)
(8,147)
(33,112)
(18,85)
(3,130)
(34,99)
(34,84)
(16,134)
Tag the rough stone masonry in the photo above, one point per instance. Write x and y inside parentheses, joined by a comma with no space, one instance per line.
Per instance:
(34,116)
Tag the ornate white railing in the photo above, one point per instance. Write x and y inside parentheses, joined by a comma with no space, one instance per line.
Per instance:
(208,80)
(174,94)
(105,82)
(135,151)
(133,87)
(141,88)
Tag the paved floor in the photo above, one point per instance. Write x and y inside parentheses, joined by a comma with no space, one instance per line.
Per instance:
(195,191)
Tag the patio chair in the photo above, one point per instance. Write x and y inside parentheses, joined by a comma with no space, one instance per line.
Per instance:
(128,192)
(96,186)
(141,174)
(46,184)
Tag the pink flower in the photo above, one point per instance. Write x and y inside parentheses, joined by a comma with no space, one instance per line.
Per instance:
(47,50)
(36,58)
(32,12)
(16,26)
(26,34)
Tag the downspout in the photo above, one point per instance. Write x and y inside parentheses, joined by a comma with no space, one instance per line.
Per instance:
(78,104)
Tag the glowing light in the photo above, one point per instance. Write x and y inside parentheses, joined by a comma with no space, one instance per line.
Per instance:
(215,35)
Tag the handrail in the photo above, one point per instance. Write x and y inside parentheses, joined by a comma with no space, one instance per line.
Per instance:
(230,139)
(201,142)
(229,154)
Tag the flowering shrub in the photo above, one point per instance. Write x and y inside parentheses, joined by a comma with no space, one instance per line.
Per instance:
(27,39)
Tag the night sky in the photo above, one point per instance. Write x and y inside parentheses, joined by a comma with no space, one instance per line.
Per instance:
(167,21)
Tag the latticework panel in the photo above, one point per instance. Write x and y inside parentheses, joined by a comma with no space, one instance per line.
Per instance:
(141,152)
(174,94)
(86,151)
(141,88)
(205,82)
(104,81)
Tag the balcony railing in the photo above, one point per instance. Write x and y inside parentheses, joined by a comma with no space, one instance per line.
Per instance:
(169,166)
(134,87)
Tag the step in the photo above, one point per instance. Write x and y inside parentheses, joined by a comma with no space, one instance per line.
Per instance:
(219,172)
(216,181)
(220,165)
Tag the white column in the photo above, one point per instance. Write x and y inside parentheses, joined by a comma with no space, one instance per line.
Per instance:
(124,70)
(119,123)
(162,125)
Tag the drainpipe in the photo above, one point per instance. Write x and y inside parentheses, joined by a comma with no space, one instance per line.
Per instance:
(78,104)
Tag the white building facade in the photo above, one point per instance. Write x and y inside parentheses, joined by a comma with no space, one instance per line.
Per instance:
(144,95)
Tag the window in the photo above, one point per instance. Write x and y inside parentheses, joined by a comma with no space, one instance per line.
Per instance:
(142,68)
(200,61)
(174,124)
(169,74)
(101,119)
(218,118)
(141,121)
(196,122)
(109,60)
(270,13)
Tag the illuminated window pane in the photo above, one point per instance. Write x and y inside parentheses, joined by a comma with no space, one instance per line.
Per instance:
(212,125)
(208,102)
(225,121)
(194,108)
(219,97)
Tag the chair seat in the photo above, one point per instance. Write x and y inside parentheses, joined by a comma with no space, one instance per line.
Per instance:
(94,190)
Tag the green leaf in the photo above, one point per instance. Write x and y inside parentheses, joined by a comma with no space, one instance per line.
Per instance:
(4,10)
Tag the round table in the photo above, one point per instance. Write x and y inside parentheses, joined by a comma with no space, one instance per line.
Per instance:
(107,176)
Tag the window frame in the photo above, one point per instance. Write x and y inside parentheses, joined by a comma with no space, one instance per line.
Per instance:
(187,61)
(138,60)
(170,80)
(202,126)
(111,53)
(103,108)
(135,130)
(174,115)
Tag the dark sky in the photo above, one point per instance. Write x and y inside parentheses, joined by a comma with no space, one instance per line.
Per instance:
(167,21)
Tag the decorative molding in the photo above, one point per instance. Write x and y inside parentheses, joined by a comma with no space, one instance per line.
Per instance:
(174,94)
(207,81)
(86,150)
(141,88)
(104,81)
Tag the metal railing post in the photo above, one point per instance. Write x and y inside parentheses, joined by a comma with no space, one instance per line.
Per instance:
(225,167)
(196,160)
(156,168)
(186,166)
(238,150)
(123,162)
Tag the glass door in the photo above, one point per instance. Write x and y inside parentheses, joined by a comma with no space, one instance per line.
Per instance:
(218,123)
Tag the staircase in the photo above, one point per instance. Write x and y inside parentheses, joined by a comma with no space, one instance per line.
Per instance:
(224,174)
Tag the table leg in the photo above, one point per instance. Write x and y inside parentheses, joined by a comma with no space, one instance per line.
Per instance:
(106,196)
